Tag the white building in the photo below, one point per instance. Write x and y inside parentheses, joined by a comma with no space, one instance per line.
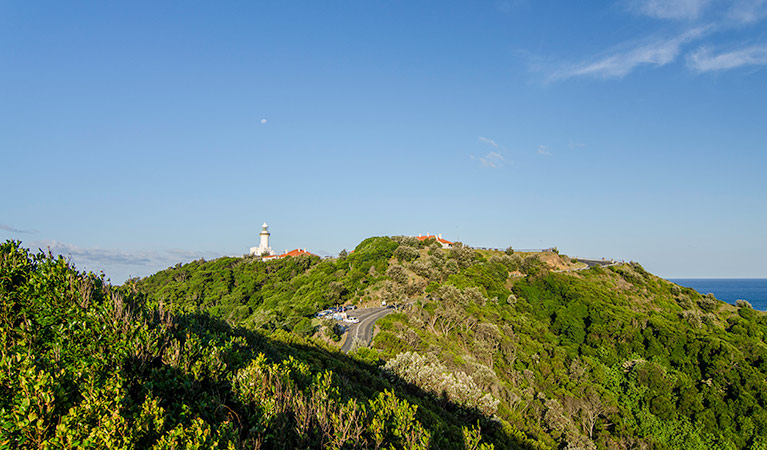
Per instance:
(263,248)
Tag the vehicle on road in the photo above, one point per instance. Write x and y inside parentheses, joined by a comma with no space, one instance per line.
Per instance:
(351,319)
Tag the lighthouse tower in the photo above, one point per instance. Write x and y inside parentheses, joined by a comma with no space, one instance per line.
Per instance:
(263,246)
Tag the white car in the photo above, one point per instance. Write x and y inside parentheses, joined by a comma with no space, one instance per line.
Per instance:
(352,320)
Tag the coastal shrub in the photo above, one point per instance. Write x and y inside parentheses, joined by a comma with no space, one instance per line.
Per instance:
(406,253)
(708,303)
(462,255)
(397,273)
(740,303)
(684,302)
(531,265)
(87,365)
(432,376)
(422,268)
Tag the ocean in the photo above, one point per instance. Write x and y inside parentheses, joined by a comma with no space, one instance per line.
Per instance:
(730,289)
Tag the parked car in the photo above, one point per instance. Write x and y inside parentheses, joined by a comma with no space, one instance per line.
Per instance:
(351,319)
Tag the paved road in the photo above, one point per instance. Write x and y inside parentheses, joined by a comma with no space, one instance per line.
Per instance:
(363,330)
(595,262)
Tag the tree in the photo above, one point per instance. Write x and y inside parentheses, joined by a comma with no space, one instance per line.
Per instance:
(397,273)
(406,253)
(591,407)
(532,265)
(740,303)
(335,291)
(488,339)
(462,255)
(708,303)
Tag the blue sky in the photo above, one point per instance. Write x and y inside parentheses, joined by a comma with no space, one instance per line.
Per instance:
(140,134)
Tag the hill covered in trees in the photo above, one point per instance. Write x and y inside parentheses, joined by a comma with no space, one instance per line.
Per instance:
(523,347)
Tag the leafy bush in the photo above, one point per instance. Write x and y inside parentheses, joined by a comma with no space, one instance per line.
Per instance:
(743,304)
(87,365)
(406,253)
(431,376)
(708,303)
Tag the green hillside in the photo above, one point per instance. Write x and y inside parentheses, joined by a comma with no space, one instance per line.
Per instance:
(524,347)
(87,365)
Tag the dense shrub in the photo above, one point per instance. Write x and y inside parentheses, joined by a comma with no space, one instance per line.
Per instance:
(87,365)
(431,376)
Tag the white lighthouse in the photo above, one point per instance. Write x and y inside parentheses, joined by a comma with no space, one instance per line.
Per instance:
(263,247)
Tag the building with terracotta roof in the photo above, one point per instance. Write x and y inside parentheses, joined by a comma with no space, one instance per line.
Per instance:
(296,252)
(444,242)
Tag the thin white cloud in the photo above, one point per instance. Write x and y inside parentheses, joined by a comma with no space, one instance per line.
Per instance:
(488,141)
(97,255)
(543,150)
(13,229)
(620,63)
(748,11)
(669,9)
(118,264)
(573,145)
(493,160)
(703,60)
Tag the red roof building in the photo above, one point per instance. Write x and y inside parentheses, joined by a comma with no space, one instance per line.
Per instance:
(296,252)
(444,242)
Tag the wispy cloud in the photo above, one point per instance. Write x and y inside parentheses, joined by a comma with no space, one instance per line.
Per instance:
(748,11)
(488,141)
(98,255)
(618,64)
(492,160)
(16,230)
(720,11)
(573,145)
(703,60)
(543,150)
(120,263)
(669,9)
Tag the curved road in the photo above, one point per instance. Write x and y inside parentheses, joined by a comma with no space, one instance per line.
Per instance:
(363,330)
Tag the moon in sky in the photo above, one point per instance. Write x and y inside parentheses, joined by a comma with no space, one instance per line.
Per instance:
(263,121)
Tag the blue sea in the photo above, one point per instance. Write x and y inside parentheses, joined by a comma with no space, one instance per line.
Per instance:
(730,289)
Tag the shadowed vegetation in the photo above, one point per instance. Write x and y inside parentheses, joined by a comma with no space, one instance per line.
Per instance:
(225,352)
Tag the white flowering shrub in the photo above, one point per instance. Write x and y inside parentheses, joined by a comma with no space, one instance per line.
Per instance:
(432,376)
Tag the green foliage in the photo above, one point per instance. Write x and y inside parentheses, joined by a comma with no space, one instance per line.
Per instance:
(593,359)
(472,438)
(87,365)
(269,295)
(708,303)
(406,253)
(609,357)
